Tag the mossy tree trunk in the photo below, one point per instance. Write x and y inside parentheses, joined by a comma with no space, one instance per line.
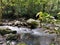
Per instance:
(0,10)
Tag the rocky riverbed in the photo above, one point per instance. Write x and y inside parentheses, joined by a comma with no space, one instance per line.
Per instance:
(26,34)
(43,34)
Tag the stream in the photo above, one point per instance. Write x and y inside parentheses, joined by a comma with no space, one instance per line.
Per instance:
(43,38)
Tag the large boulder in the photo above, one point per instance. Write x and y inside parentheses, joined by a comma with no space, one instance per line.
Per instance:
(33,23)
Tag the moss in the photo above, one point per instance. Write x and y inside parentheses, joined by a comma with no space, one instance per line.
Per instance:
(22,43)
(6,31)
(34,24)
(11,37)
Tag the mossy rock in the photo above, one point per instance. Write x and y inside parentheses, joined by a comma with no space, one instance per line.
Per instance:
(22,43)
(11,37)
(6,31)
(33,23)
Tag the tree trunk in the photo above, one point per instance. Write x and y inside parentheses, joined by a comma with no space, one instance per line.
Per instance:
(0,10)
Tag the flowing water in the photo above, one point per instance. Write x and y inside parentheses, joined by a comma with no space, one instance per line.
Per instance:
(38,35)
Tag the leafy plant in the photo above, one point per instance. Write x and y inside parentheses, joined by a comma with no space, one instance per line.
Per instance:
(45,17)
(29,8)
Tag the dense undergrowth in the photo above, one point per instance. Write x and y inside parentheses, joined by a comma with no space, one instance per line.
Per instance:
(12,9)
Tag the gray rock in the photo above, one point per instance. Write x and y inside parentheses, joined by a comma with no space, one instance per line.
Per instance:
(33,22)
(16,22)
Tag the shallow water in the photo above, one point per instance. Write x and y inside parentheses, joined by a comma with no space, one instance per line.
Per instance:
(35,32)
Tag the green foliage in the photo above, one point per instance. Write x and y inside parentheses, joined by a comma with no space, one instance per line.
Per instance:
(45,17)
(24,8)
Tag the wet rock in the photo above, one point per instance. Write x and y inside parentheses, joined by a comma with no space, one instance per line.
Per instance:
(11,37)
(57,41)
(30,20)
(5,23)
(2,40)
(17,22)
(25,23)
(32,23)
(10,24)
